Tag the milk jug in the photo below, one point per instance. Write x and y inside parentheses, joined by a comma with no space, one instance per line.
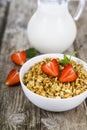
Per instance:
(52,29)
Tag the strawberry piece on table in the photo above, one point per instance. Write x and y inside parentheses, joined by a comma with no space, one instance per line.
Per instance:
(68,74)
(19,57)
(13,77)
(51,69)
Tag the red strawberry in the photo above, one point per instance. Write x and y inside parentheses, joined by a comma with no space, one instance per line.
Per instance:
(13,77)
(19,57)
(68,74)
(51,68)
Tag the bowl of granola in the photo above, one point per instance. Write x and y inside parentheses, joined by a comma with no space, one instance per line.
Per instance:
(54,82)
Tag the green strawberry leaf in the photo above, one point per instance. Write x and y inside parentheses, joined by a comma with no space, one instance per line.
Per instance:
(31,52)
(66,59)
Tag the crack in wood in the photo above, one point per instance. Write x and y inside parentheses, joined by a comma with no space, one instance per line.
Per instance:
(4,23)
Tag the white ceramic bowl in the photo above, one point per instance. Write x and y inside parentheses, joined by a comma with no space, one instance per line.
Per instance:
(56,104)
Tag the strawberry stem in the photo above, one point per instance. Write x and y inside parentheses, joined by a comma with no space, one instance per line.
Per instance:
(66,59)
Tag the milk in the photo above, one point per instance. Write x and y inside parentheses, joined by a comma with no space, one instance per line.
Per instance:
(51,28)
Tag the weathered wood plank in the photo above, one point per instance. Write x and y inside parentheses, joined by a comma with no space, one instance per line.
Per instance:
(16,112)
(81,40)
(18,18)
(3,15)
(4,7)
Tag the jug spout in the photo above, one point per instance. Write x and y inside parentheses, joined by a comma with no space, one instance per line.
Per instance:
(53,7)
(53,1)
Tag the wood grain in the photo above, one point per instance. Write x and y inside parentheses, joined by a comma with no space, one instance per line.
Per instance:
(16,112)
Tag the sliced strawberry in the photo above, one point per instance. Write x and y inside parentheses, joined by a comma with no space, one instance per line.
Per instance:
(51,68)
(13,77)
(68,74)
(19,57)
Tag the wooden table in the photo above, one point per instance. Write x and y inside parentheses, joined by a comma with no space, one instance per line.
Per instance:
(16,112)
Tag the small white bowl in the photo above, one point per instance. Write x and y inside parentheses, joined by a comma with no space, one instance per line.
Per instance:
(51,104)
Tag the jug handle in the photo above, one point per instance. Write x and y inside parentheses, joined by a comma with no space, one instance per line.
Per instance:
(79,9)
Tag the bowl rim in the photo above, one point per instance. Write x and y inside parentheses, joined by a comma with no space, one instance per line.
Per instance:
(42,56)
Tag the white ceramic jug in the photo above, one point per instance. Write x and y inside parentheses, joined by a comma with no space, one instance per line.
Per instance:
(52,28)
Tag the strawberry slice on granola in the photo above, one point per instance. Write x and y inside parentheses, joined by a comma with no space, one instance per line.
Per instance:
(68,74)
(51,69)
